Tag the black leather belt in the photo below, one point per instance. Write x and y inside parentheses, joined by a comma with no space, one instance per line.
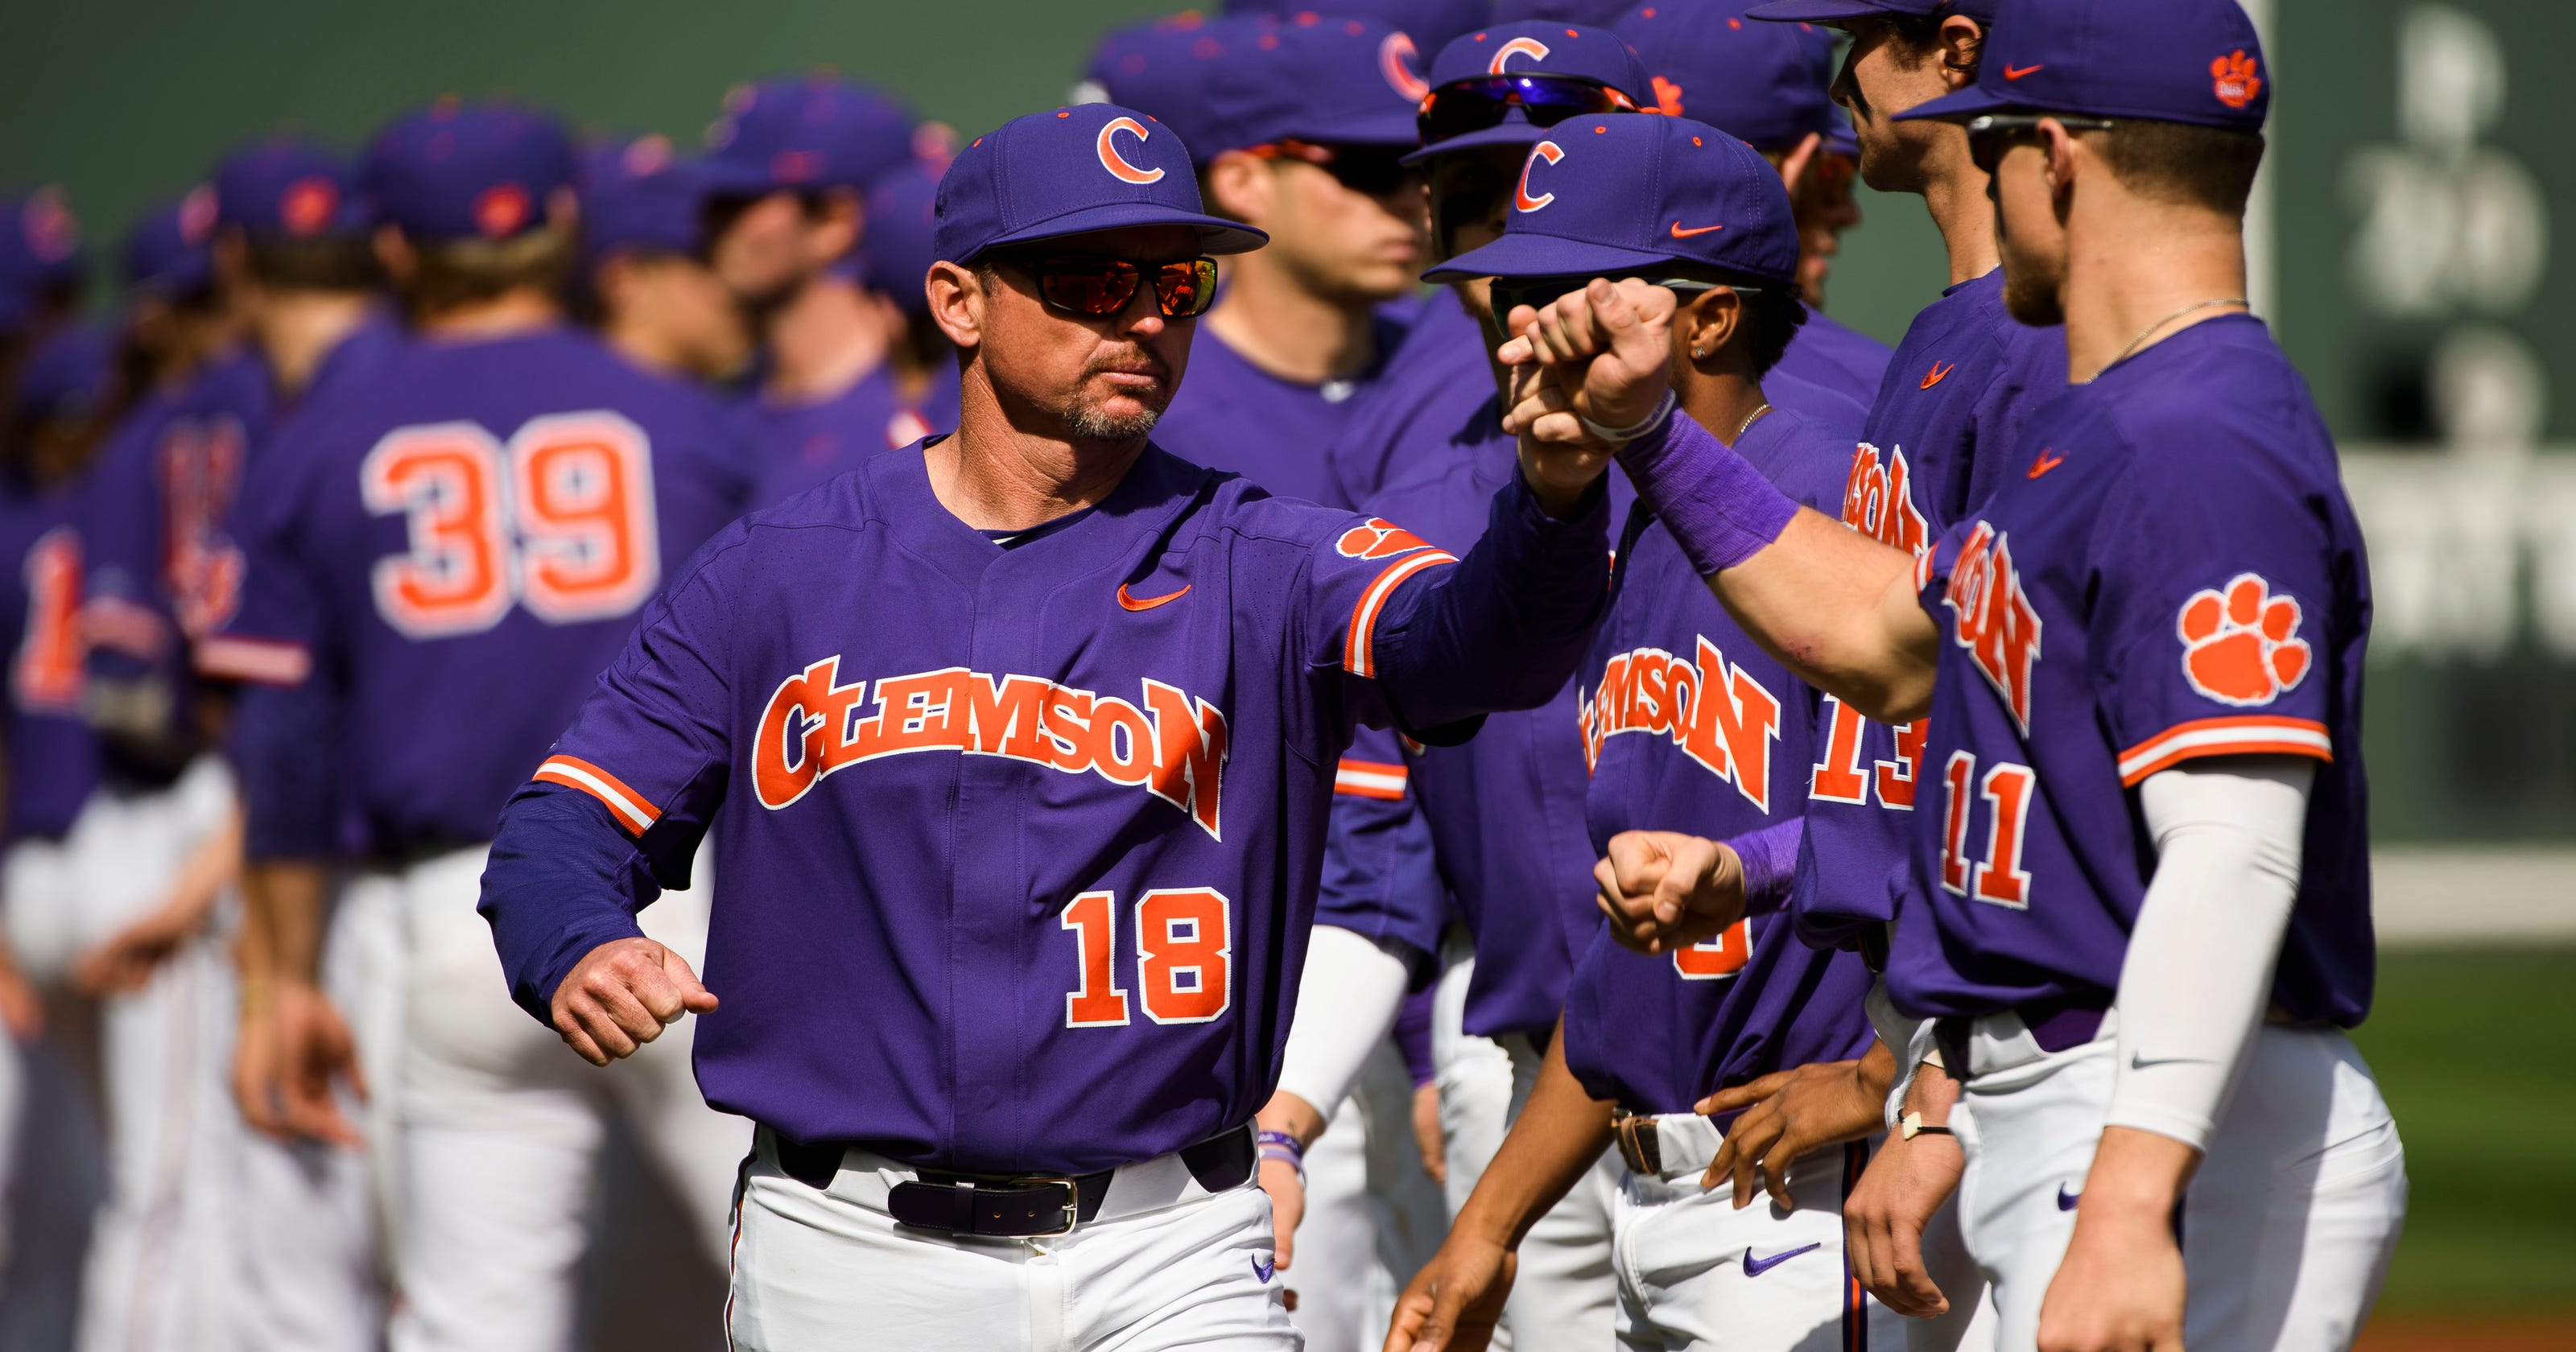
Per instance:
(1013,1206)
(1639,1145)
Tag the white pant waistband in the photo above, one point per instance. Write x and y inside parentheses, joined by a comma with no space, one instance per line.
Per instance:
(867,1178)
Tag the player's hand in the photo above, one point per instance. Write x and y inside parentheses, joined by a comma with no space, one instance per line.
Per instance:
(1664,890)
(621,995)
(1607,351)
(2121,1286)
(22,1010)
(1427,1135)
(1792,1112)
(289,1063)
(1287,1208)
(1453,1304)
(1884,1218)
(125,962)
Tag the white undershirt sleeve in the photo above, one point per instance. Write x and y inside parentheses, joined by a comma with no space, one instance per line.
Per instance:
(2198,976)
(1346,1003)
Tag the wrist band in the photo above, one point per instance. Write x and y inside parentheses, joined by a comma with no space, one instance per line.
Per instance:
(1911,1125)
(1616,435)
(1280,1146)
(1719,508)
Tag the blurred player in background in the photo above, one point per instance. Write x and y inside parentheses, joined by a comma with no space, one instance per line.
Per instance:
(462,544)
(1768,85)
(788,166)
(43,270)
(651,294)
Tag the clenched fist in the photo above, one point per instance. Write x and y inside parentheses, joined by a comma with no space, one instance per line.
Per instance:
(622,995)
(1665,890)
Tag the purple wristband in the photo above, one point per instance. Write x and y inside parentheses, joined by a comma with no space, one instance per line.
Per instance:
(1719,508)
(1770,859)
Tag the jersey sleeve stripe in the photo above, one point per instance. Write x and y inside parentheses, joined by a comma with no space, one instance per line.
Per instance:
(2254,735)
(1369,779)
(257,660)
(624,803)
(1359,648)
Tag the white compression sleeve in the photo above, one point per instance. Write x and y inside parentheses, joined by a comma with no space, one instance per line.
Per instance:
(2198,976)
(1346,1002)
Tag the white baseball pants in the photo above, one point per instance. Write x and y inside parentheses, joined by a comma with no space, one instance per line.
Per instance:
(1373,1216)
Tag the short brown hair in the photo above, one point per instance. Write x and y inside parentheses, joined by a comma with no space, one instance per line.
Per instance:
(454,272)
(321,263)
(2209,167)
(1918,38)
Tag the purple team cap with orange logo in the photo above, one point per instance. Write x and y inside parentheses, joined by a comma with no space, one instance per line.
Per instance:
(1324,81)
(806,134)
(1598,13)
(1765,83)
(168,250)
(1840,11)
(460,171)
(1612,194)
(638,193)
(2195,61)
(1429,23)
(902,238)
(40,250)
(290,189)
(1506,84)
(1167,67)
(1071,171)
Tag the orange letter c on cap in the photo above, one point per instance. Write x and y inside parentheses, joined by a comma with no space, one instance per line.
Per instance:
(1532,48)
(1544,150)
(1116,163)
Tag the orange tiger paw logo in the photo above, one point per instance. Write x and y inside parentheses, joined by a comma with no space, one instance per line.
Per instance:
(2242,646)
(2236,78)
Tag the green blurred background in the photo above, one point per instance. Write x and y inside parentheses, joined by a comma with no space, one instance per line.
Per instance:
(2419,187)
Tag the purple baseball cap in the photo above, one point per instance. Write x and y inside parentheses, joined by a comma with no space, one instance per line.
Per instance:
(1764,83)
(1328,81)
(467,171)
(903,223)
(805,133)
(1598,13)
(1094,166)
(291,188)
(1536,47)
(167,250)
(1612,193)
(1430,23)
(2195,61)
(67,375)
(40,250)
(1167,67)
(1839,11)
(636,193)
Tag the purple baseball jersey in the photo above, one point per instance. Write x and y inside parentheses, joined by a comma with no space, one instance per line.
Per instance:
(1963,381)
(1688,725)
(1840,358)
(458,550)
(798,446)
(1436,377)
(1231,415)
(1021,868)
(2172,572)
(53,761)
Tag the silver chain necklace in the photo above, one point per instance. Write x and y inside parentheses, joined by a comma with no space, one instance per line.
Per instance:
(1747,424)
(2150,332)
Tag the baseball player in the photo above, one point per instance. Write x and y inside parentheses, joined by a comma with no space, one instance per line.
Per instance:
(2137,909)
(1008,946)
(787,167)
(653,298)
(1685,724)
(1769,85)
(462,545)
(920,371)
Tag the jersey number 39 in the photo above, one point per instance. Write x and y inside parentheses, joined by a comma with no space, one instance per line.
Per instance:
(560,520)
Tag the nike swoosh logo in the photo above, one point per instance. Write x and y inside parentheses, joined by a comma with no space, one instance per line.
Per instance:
(1680,233)
(2045,463)
(2015,73)
(1148,603)
(1263,1270)
(2140,1061)
(1938,374)
(1755,1267)
(2066,1200)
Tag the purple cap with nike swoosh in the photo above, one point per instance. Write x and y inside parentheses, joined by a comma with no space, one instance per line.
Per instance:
(805,134)
(468,171)
(2192,61)
(1765,83)
(1071,171)
(1614,193)
(1336,81)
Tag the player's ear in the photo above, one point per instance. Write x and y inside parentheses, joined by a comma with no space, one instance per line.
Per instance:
(841,225)
(563,211)
(1239,186)
(2063,149)
(1793,166)
(958,302)
(394,254)
(1963,41)
(1709,322)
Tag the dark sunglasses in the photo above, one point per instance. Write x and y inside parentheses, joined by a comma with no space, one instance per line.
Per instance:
(1989,136)
(1462,106)
(1097,287)
(1510,293)
(1371,171)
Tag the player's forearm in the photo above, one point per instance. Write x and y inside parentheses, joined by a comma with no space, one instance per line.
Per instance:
(563,879)
(1347,1000)
(1558,1135)
(1505,627)
(284,902)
